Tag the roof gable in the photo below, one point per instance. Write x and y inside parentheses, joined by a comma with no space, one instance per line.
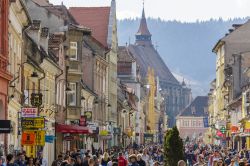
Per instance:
(95,18)
(197,108)
(147,56)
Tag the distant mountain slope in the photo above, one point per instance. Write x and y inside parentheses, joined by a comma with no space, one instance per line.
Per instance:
(185,47)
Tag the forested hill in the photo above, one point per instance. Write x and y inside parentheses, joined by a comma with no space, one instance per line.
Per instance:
(186,48)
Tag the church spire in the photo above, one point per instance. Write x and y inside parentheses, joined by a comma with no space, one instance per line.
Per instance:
(143,36)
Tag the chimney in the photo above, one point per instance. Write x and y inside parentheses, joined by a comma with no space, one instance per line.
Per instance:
(44,39)
(35,31)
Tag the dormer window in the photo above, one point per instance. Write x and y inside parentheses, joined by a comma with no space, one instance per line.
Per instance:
(193,110)
(73,51)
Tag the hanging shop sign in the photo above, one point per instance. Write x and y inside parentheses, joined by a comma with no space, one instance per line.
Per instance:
(5,126)
(29,112)
(148,138)
(49,138)
(36,99)
(28,138)
(68,138)
(234,129)
(88,115)
(103,132)
(40,138)
(33,123)
(117,130)
(223,129)
(82,121)
(31,151)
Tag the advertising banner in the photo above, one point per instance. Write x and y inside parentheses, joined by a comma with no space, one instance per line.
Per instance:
(28,138)
(33,123)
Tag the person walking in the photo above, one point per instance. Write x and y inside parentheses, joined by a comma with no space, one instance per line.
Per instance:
(105,159)
(10,160)
(140,161)
(121,160)
(181,163)
(43,161)
(133,160)
(30,161)
(58,161)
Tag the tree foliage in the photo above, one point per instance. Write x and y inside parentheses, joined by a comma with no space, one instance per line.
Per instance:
(173,147)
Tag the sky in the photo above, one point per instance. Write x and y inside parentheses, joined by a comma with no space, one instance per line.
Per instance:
(181,10)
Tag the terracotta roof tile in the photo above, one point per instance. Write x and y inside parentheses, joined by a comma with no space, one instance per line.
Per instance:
(95,18)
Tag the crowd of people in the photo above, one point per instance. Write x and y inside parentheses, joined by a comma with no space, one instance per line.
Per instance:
(141,156)
(196,154)
(200,154)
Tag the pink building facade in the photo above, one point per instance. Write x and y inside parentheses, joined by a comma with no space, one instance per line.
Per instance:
(190,122)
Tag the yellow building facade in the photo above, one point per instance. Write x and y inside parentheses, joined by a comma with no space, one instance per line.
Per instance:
(151,102)
(19,19)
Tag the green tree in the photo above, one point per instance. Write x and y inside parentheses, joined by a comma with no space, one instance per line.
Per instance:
(173,147)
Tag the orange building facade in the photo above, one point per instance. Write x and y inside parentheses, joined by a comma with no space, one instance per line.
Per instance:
(5,76)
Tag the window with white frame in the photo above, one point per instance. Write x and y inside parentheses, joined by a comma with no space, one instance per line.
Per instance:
(72,94)
(73,50)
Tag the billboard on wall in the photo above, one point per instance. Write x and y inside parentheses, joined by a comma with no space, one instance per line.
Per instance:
(5,126)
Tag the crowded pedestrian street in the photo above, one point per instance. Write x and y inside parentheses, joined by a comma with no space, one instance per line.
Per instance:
(124,83)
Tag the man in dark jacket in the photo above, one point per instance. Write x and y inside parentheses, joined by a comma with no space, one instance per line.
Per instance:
(140,161)
(58,161)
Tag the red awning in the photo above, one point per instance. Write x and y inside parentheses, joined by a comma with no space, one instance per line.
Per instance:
(74,129)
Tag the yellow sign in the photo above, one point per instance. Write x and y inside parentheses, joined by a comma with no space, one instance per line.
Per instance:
(40,138)
(31,151)
(33,123)
(104,132)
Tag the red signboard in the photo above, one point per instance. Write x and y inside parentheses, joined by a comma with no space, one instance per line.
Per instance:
(29,112)
(28,138)
(82,121)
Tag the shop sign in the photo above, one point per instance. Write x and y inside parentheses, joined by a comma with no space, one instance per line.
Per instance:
(49,138)
(117,130)
(36,99)
(92,126)
(28,138)
(40,137)
(31,151)
(106,137)
(68,138)
(88,115)
(103,132)
(148,138)
(247,131)
(33,123)
(29,112)
(223,129)
(5,126)
(234,129)
(82,121)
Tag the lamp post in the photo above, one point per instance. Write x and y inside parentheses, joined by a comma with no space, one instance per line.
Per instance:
(12,85)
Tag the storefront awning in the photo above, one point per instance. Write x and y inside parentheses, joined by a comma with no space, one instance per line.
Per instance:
(73,129)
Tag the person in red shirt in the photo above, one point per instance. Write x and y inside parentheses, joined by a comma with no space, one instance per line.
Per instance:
(121,160)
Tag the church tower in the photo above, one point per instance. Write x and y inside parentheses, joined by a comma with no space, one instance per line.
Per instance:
(143,36)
